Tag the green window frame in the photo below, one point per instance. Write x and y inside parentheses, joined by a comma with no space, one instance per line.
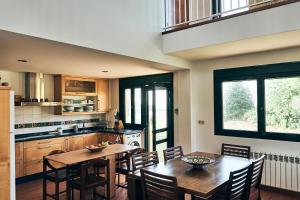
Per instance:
(260,74)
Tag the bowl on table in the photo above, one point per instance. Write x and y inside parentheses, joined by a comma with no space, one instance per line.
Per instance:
(96,147)
(198,161)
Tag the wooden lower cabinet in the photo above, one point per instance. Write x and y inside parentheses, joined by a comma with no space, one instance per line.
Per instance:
(90,139)
(29,155)
(35,151)
(75,143)
(112,138)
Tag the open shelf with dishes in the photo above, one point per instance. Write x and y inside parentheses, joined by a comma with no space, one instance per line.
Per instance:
(80,95)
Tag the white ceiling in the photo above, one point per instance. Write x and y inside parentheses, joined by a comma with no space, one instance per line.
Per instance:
(52,57)
(251,45)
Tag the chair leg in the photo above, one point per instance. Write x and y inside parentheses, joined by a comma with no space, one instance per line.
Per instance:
(56,191)
(44,188)
(82,195)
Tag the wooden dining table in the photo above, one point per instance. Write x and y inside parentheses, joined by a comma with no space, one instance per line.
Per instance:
(72,158)
(201,182)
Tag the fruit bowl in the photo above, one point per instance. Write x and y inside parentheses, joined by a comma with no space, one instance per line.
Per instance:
(197,161)
(96,148)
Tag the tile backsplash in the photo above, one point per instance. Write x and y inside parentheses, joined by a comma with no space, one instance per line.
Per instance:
(32,119)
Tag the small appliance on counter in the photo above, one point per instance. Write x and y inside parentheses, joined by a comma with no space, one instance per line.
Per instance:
(111,118)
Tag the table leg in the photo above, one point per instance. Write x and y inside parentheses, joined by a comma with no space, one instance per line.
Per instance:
(112,175)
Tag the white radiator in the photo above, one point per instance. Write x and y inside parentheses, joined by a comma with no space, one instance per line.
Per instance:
(280,171)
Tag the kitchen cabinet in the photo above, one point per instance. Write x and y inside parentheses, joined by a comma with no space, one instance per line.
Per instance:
(90,139)
(103,95)
(19,159)
(80,95)
(29,155)
(75,142)
(34,152)
(5,96)
(110,137)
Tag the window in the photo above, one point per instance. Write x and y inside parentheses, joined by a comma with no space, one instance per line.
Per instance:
(258,102)
(128,106)
(137,106)
(240,105)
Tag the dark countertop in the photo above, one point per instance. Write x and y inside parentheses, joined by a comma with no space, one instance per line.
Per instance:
(47,135)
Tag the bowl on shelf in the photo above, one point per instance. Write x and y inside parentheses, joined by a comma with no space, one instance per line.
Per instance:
(78,109)
(88,108)
(68,108)
(198,161)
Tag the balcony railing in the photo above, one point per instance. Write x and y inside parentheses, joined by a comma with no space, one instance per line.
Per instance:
(180,14)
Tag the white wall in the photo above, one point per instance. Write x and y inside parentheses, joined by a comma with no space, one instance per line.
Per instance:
(182,101)
(266,22)
(131,27)
(203,137)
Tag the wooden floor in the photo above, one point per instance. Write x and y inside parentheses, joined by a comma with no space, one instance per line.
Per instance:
(33,191)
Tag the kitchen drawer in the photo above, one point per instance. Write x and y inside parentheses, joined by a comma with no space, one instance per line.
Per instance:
(37,152)
(43,142)
(19,151)
(33,167)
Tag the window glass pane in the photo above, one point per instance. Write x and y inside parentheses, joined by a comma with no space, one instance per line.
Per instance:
(137,106)
(128,106)
(161,136)
(283,105)
(161,108)
(160,148)
(240,105)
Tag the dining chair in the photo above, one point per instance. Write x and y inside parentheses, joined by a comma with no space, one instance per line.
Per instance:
(144,160)
(255,178)
(55,174)
(89,179)
(124,165)
(236,188)
(173,152)
(236,150)
(159,187)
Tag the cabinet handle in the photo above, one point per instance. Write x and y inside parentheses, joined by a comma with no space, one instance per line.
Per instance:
(44,142)
(44,147)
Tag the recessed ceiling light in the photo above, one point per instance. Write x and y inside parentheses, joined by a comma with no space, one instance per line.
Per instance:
(22,60)
(105,71)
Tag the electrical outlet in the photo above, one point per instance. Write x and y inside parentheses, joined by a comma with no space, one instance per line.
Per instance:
(201,122)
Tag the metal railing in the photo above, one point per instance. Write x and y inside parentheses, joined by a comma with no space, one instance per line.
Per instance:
(179,13)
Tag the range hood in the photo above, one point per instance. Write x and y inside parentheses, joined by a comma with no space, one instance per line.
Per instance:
(35,91)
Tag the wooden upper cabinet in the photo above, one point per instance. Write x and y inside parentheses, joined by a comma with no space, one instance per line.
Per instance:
(103,95)
(78,86)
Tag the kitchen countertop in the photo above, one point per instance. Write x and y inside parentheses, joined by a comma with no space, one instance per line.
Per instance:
(47,135)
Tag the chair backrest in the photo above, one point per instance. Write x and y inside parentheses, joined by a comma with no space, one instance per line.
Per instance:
(236,150)
(125,158)
(53,165)
(173,152)
(238,184)
(256,173)
(89,167)
(156,186)
(144,159)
